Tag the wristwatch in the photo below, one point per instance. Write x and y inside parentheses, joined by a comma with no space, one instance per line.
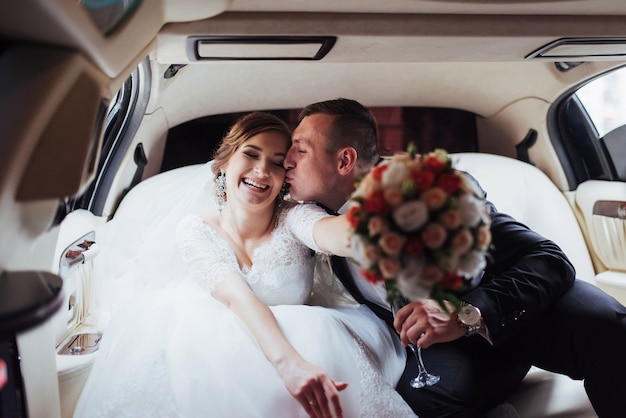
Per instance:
(470,318)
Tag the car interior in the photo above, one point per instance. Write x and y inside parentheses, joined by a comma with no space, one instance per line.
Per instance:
(105,102)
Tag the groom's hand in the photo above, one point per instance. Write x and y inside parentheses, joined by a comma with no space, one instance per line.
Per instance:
(425,323)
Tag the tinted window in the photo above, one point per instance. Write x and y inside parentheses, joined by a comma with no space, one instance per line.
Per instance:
(590,134)
(604,100)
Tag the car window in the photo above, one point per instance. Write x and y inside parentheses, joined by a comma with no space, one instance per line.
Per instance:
(604,99)
(122,119)
(590,130)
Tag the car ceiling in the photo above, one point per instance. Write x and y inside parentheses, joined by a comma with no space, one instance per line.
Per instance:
(468,54)
(420,30)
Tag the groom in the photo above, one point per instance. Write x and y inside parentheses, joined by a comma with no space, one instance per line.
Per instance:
(560,323)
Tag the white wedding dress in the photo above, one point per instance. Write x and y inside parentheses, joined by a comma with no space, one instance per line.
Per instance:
(178,352)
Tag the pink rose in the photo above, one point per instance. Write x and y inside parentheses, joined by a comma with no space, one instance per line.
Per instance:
(376,225)
(364,253)
(414,164)
(389,267)
(393,196)
(431,274)
(462,242)
(451,219)
(434,235)
(391,243)
(471,264)
(434,197)
(403,159)
(483,237)
(367,187)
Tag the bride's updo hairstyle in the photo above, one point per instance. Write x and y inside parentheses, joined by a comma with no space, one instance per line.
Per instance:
(242,130)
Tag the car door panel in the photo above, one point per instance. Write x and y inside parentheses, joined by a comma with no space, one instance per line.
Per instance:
(76,254)
(602,206)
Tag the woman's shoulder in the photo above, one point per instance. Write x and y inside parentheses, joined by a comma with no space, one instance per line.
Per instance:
(190,220)
(194,226)
(294,209)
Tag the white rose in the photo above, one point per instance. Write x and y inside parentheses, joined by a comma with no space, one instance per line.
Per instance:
(367,186)
(394,176)
(411,216)
(412,291)
(471,210)
(471,264)
(408,281)
(412,267)
(470,184)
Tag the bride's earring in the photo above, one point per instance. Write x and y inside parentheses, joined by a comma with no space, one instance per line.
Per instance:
(220,191)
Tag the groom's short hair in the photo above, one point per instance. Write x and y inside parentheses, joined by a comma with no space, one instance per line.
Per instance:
(354,126)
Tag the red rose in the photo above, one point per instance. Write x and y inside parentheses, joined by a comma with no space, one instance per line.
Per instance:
(353,216)
(372,277)
(375,203)
(451,281)
(422,179)
(413,246)
(377,172)
(434,164)
(449,182)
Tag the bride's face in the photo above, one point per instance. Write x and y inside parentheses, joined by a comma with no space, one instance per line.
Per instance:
(255,172)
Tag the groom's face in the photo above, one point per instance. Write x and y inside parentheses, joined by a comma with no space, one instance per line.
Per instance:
(311,171)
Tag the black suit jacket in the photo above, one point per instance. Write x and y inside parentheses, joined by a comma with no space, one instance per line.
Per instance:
(526,275)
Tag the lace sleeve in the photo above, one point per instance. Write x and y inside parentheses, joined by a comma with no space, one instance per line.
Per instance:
(300,218)
(209,259)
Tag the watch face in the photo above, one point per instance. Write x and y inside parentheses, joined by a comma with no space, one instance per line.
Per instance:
(469,315)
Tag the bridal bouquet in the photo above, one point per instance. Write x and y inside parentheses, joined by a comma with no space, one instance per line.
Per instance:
(420,226)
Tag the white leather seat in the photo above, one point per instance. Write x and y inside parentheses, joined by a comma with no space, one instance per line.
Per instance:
(526,193)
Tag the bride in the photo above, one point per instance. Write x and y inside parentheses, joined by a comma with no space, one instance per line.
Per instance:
(230,333)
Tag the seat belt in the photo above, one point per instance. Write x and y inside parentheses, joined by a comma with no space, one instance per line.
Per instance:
(141,160)
(523,147)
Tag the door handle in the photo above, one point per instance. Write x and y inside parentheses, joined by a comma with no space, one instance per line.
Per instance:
(82,250)
(610,208)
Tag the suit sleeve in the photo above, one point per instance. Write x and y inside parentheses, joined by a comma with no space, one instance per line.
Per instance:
(526,275)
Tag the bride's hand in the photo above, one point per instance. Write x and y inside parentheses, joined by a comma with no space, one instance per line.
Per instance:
(313,388)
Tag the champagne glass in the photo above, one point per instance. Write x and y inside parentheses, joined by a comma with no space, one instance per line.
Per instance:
(423,378)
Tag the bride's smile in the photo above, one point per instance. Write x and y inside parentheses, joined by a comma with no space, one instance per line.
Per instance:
(255,173)
(253,184)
